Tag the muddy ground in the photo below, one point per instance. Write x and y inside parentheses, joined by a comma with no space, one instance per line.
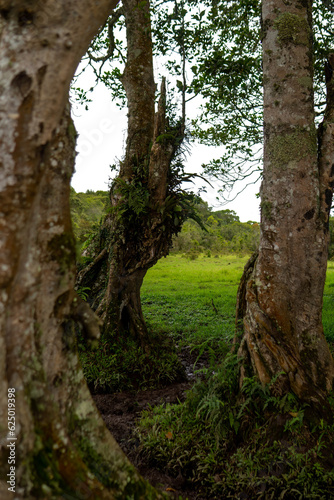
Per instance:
(120,411)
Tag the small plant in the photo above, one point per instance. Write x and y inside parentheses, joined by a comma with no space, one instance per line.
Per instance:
(82,291)
(251,446)
(123,365)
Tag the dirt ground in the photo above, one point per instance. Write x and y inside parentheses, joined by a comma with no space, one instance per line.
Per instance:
(120,411)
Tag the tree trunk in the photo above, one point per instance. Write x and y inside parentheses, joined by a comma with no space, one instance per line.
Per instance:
(282,326)
(146,210)
(62,448)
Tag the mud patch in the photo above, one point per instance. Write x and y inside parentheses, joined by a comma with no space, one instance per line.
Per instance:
(121,411)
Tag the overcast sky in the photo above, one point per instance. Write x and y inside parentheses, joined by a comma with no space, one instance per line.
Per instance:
(102,136)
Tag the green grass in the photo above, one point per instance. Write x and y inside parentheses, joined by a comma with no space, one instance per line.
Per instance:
(181,297)
(254,446)
(190,303)
(177,298)
(328,306)
(186,303)
(121,365)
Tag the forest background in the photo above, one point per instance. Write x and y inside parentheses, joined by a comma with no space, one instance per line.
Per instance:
(223,233)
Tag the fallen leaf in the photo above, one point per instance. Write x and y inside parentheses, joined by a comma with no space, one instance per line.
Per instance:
(169,435)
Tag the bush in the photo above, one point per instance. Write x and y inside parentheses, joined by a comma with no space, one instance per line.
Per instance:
(123,365)
(231,446)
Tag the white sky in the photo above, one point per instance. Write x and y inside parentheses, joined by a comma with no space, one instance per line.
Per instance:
(102,136)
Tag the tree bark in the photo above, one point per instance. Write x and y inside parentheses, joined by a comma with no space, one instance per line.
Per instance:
(283,333)
(62,448)
(146,210)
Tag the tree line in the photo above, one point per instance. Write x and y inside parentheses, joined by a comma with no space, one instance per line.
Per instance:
(222,232)
(218,232)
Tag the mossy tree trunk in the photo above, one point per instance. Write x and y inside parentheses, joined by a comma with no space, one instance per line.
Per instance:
(146,210)
(62,448)
(281,299)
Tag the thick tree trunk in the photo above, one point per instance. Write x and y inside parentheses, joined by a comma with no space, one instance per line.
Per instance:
(145,212)
(283,331)
(62,448)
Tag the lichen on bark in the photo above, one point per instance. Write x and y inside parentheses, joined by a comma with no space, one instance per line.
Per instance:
(287,148)
(292,28)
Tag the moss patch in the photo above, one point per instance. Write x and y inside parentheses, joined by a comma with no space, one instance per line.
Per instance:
(306,81)
(266,208)
(62,249)
(292,29)
(292,147)
(124,482)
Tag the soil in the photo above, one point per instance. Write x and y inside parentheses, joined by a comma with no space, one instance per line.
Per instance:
(121,411)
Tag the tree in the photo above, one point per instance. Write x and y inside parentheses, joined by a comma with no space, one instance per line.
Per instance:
(62,448)
(148,206)
(226,71)
(281,294)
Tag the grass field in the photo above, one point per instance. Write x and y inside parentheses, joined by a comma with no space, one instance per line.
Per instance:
(181,297)
(192,303)
(327,312)
(194,300)
(256,446)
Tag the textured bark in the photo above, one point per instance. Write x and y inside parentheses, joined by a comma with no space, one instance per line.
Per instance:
(282,323)
(63,448)
(136,237)
(139,85)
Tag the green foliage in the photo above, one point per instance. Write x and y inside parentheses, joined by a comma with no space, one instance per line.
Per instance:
(224,234)
(87,211)
(228,75)
(252,445)
(82,291)
(135,198)
(80,95)
(178,296)
(120,364)
(218,232)
(221,44)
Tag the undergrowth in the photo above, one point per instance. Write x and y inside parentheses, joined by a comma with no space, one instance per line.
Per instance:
(121,364)
(232,445)
(226,444)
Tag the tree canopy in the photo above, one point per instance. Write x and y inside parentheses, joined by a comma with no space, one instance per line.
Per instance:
(211,52)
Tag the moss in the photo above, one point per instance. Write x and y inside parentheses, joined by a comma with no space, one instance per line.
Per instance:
(292,147)
(292,29)
(44,468)
(125,482)
(266,208)
(306,81)
(71,130)
(166,138)
(62,249)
